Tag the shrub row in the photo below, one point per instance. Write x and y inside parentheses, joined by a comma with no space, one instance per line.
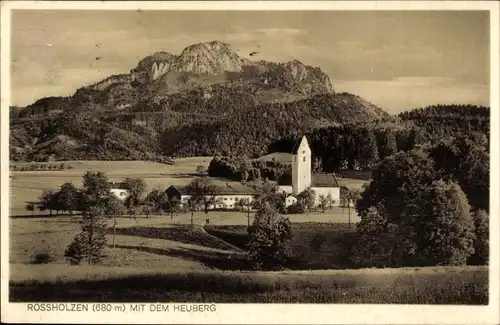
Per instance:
(38,166)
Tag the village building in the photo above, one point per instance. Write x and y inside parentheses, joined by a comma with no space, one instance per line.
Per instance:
(227,197)
(303,177)
(120,190)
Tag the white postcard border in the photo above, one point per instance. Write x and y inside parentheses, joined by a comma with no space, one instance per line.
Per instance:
(266,313)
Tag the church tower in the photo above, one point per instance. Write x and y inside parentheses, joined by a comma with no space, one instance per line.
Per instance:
(301,166)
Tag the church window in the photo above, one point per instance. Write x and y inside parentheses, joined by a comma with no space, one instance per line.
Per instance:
(303,152)
(304,159)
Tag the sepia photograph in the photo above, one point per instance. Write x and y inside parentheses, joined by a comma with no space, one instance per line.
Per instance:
(184,161)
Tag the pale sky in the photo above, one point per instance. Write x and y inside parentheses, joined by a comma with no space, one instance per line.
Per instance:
(396,60)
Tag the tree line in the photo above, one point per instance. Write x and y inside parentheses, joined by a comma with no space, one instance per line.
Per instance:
(358,146)
(243,169)
(427,206)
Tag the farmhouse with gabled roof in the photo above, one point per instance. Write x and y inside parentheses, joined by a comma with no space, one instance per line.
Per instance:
(227,196)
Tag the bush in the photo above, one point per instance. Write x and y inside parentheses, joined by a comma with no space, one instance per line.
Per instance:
(39,166)
(41,258)
(296,208)
(481,243)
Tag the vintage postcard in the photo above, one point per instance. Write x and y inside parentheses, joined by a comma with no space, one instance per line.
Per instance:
(250,162)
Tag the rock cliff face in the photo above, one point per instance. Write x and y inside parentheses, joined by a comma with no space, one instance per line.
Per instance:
(204,58)
(217,59)
(302,72)
(209,58)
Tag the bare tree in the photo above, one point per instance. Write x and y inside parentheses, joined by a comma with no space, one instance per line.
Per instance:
(201,189)
(113,208)
(171,205)
(246,203)
(329,199)
(323,202)
(193,204)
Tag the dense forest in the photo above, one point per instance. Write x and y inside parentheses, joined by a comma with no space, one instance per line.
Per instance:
(187,126)
(242,169)
(360,145)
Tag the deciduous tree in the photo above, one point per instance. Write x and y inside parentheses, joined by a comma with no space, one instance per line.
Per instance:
(203,191)
(269,234)
(47,201)
(136,188)
(308,198)
(482,241)
(171,205)
(323,202)
(31,207)
(193,204)
(95,185)
(429,219)
(113,207)
(68,198)
(200,170)
(90,242)
(156,199)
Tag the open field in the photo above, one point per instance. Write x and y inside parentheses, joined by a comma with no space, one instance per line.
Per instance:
(161,260)
(157,240)
(437,285)
(26,186)
(141,243)
(314,245)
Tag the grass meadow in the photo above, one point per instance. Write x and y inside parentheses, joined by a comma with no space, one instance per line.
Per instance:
(173,263)
(399,286)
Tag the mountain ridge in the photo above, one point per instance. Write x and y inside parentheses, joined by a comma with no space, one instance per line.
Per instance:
(207,86)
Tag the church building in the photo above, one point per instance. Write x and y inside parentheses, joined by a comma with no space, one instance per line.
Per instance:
(302,176)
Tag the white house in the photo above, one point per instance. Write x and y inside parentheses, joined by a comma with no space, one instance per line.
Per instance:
(227,196)
(302,176)
(120,190)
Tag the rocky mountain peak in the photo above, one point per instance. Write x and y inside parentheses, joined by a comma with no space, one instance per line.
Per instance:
(213,57)
(301,72)
(209,58)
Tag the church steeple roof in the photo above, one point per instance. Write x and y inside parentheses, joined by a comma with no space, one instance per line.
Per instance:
(297,144)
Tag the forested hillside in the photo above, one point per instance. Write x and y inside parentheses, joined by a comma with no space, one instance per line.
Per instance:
(359,145)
